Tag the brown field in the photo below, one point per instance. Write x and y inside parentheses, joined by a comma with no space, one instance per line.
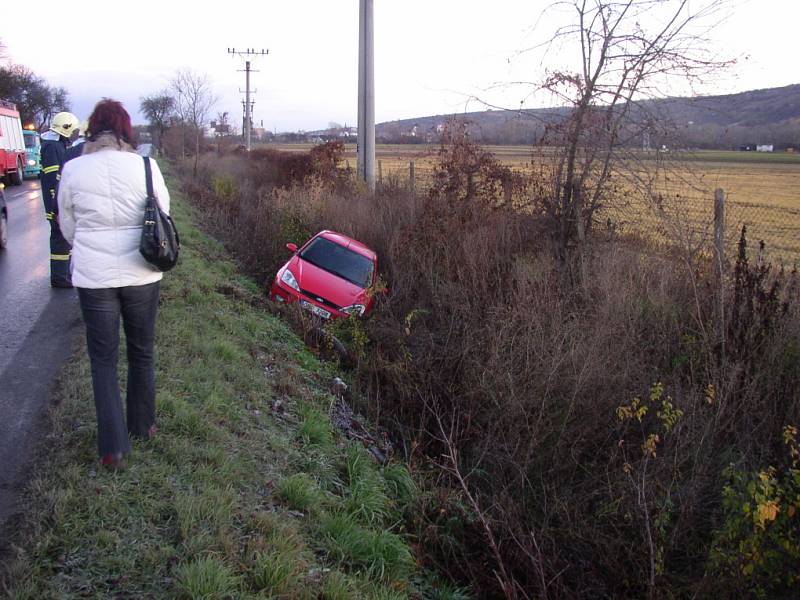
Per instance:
(762,191)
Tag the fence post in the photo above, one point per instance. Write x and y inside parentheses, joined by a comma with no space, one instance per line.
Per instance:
(719,263)
(577,198)
(412,184)
(508,190)
(380,172)
(719,230)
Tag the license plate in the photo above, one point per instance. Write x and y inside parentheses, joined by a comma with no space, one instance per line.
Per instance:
(320,312)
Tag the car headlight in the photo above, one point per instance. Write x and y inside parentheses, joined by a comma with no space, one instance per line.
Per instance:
(31,162)
(354,309)
(289,280)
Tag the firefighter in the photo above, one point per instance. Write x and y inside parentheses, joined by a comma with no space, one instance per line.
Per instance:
(76,149)
(54,146)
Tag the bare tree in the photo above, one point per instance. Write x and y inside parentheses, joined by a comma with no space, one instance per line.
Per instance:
(629,52)
(158,109)
(35,99)
(194,100)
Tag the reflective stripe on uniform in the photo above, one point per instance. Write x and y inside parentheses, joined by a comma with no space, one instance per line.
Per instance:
(51,216)
(59,257)
(51,169)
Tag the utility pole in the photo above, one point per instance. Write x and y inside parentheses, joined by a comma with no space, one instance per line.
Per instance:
(366,94)
(245,113)
(248,106)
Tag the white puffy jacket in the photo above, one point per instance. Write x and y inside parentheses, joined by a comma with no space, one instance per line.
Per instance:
(101,201)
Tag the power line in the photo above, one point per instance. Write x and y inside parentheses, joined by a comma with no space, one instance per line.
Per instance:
(248,104)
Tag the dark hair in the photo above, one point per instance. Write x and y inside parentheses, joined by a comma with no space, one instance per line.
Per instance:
(109,116)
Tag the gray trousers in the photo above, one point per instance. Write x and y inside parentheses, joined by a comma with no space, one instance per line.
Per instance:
(102,308)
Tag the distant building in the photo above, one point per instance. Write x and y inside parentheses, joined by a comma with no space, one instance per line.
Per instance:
(765,148)
(412,133)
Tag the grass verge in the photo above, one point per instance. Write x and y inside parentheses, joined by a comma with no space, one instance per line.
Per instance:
(246,492)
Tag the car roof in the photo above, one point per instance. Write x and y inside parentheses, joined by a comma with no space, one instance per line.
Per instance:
(348,242)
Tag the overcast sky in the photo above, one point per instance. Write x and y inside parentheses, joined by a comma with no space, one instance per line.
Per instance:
(431,56)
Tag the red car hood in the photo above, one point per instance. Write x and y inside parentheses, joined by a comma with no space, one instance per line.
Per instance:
(318,282)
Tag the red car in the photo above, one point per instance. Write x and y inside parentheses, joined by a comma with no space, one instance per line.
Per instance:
(329,276)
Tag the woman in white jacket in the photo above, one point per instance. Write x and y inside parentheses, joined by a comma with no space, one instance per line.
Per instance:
(101,202)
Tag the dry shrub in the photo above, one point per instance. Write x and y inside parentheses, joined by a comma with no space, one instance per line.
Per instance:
(271,168)
(574,444)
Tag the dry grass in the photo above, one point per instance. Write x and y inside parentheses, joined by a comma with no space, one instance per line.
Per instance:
(483,354)
(761,191)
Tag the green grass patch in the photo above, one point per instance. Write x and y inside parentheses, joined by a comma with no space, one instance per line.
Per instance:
(367,497)
(315,428)
(298,492)
(783,158)
(228,498)
(382,554)
(277,573)
(207,578)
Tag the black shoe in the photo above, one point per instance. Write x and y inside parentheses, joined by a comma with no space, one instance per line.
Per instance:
(60,284)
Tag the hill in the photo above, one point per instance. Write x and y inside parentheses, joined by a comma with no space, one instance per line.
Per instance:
(767,116)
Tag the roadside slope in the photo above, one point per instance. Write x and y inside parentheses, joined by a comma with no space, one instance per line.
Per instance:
(247,490)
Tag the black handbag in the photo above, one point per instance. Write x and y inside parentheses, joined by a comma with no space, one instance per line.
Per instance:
(160,243)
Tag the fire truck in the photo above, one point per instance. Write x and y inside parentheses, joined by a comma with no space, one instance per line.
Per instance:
(12,144)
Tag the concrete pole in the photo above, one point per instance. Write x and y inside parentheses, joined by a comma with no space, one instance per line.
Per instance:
(247,117)
(366,94)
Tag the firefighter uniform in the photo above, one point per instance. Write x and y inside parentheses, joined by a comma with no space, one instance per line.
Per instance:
(73,151)
(54,147)
(76,149)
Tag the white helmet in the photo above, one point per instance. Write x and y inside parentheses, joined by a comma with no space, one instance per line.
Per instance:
(84,128)
(64,123)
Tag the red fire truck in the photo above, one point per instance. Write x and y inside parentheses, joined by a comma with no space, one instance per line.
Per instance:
(12,144)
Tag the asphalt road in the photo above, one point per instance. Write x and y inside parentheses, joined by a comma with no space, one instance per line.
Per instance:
(38,328)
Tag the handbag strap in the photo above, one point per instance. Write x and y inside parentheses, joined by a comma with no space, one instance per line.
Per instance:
(148,178)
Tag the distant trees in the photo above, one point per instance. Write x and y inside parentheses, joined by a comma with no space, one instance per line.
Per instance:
(180,113)
(226,134)
(159,109)
(194,99)
(334,128)
(36,100)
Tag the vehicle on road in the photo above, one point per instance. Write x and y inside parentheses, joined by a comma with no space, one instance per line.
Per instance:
(12,144)
(33,154)
(3,219)
(331,276)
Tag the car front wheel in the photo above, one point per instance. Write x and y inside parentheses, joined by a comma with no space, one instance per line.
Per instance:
(3,231)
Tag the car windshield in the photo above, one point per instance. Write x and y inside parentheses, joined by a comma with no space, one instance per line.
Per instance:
(31,141)
(340,261)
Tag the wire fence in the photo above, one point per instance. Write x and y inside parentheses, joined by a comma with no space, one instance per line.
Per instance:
(777,227)
(690,221)
(686,219)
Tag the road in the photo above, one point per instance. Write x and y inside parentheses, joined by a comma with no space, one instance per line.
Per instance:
(38,327)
